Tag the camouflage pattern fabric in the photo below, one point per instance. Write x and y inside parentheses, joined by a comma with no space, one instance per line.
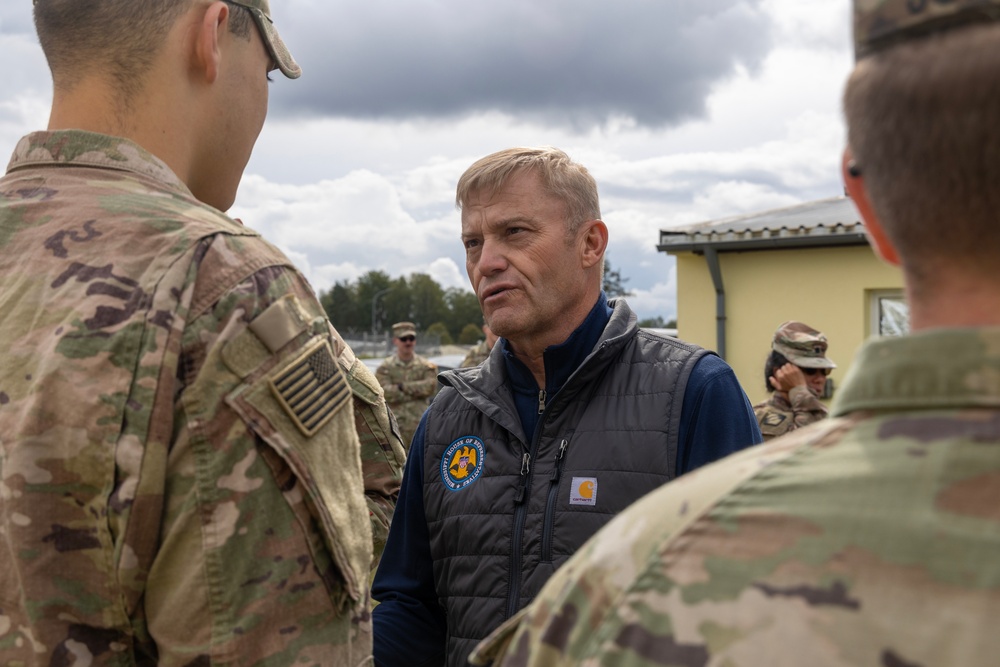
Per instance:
(882,23)
(779,415)
(476,355)
(181,477)
(870,538)
(408,387)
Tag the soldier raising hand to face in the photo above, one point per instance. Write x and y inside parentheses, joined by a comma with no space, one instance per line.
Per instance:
(796,371)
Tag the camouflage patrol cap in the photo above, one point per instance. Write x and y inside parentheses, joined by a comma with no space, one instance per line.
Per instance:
(400,329)
(881,23)
(802,345)
(261,12)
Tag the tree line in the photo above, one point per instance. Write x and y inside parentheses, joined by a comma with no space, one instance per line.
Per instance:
(373,302)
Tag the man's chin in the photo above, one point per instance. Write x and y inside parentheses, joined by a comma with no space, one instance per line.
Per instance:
(501,323)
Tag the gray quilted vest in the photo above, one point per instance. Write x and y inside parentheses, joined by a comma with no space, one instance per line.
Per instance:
(504,512)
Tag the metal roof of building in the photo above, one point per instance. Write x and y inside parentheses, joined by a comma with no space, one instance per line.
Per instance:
(825,222)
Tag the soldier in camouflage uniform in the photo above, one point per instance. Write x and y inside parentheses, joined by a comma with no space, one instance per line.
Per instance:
(870,538)
(795,372)
(480,352)
(182,480)
(408,380)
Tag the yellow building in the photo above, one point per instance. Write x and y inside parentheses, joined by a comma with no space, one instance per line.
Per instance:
(739,278)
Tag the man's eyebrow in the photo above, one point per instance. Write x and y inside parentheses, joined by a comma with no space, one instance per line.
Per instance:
(507,222)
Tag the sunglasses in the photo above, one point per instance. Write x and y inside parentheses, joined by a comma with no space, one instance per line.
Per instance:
(408,339)
(813,371)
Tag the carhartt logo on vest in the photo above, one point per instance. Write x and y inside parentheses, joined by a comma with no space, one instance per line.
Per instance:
(462,462)
(583,491)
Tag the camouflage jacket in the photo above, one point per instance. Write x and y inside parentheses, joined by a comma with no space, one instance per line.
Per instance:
(870,538)
(181,477)
(779,415)
(408,387)
(476,355)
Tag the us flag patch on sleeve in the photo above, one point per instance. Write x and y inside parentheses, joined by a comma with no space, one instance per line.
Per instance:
(312,388)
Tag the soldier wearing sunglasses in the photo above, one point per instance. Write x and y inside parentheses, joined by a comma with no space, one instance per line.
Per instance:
(795,372)
(409,380)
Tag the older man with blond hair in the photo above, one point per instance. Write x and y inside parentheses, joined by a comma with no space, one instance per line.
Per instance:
(576,413)
(869,538)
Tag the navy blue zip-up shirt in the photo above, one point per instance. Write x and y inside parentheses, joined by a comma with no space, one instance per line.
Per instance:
(409,624)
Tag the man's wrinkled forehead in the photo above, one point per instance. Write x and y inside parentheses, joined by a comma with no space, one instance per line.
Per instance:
(879,24)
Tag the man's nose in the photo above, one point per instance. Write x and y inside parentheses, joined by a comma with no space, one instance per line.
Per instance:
(492,258)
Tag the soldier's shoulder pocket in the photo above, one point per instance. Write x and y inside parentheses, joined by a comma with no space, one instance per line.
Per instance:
(299,404)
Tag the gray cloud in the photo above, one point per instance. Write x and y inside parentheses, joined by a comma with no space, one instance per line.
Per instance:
(576,62)
(15,18)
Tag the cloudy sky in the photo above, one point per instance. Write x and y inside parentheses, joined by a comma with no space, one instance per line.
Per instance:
(684,110)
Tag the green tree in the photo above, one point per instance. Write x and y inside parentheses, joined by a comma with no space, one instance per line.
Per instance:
(398,303)
(341,305)
(471,334)
(368,287)
(614,284)
(463,310)
(439,330)
(419,299)
(428,303)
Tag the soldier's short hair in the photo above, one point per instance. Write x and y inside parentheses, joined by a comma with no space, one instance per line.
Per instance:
(120,36)
(922,125)
(563,178)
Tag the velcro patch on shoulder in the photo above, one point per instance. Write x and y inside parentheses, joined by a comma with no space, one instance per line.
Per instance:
(280,323)
(311,388)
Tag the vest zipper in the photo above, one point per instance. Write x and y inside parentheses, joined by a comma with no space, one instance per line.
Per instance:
(523,482)
(520,509)
(550,505)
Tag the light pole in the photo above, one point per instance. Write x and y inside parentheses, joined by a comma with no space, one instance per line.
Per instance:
(374,301)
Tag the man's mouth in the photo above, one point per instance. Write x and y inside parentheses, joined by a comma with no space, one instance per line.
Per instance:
(494,290)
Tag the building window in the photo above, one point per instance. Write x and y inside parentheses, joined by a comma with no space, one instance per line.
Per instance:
(890,314)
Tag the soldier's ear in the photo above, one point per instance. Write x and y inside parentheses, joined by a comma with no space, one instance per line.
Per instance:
(854,185)
(208,32)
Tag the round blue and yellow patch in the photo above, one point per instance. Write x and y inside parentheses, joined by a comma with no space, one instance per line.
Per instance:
(462,462)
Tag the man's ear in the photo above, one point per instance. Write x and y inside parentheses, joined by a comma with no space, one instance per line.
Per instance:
(594,241)
(854,184)
(209,31)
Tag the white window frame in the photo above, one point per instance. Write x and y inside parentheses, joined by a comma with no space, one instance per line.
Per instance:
(878,301)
